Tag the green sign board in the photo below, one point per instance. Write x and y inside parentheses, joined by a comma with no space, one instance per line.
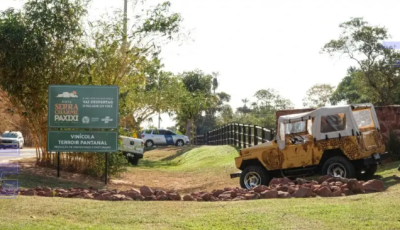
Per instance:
(84,141)
(78,106)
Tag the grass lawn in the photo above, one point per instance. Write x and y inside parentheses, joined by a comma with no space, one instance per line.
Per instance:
(197,169)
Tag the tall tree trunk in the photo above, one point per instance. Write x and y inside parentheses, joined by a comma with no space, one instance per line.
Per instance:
(189,124)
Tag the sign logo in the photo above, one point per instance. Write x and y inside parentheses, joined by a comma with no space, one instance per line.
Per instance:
(85,120)
(106,119)
(68,95)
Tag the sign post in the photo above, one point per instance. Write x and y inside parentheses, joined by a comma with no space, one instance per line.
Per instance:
(79,107)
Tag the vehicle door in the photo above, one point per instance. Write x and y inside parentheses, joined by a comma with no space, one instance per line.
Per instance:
(170,137)
(158,136)
(297,154)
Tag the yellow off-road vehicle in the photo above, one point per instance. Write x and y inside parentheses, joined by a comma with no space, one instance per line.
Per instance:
(340,141)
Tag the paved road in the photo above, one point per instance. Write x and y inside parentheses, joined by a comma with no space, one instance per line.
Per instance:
(14,154)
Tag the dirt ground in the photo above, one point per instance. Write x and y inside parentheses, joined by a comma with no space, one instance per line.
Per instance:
(137,176)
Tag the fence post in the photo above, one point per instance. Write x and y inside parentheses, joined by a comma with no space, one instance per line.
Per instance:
(249,135)
(263,135)
(240,135)
(230,134)
(244,136)
(272,134)
(235,134)
(226,134)
(255,135)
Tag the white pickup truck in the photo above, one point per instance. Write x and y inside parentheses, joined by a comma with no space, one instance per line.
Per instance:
(132,148)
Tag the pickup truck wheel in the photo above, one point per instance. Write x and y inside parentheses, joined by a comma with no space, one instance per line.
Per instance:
(149,143)
(339,166)
(133,160)
(253,176)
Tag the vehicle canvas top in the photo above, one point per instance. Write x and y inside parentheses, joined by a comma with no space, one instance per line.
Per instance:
(330,116)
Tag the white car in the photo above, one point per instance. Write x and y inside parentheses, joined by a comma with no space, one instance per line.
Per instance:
(163,137)
(132,148)
(12,139)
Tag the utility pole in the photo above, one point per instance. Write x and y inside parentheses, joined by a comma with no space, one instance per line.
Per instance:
(125,25)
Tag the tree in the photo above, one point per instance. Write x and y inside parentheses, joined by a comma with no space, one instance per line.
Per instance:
(318,95)
(361,42)
(39,46)
(349,89)
(262,111)
(45,43)
(197,98)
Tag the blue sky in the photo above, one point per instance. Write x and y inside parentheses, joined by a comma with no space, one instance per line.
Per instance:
(259,44)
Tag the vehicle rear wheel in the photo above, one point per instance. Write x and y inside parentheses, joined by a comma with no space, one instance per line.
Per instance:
(149,143)
(339,166)
(254,175)
(368,172)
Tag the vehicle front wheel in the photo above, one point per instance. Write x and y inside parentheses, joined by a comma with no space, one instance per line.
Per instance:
(179,143)
(339,166)
(254,175)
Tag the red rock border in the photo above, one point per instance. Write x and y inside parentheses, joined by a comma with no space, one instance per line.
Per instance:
(326,186)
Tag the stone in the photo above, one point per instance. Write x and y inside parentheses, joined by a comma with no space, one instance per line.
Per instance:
(88,196)
(252,196)
(336,188)
(224,195)
(339,183)
(283,188)
(267,194)
(337,193)
(292,190)
(284,194)
(354,186)
(206,196)
(228,189)
(324,192)
(188,198)
(174,196)
(216,193)
(302,192)
(160,193)
(281,181)
(323,178)
(49,193)
(47,189)
(29,192)
(373,186)
(162,197)
(41,193)
(146,191)
(347,192)
(151,197)
(260,188)
(301,181)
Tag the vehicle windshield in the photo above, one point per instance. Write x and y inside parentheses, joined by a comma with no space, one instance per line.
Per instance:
(295,127)
(9,135)
(363,118)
